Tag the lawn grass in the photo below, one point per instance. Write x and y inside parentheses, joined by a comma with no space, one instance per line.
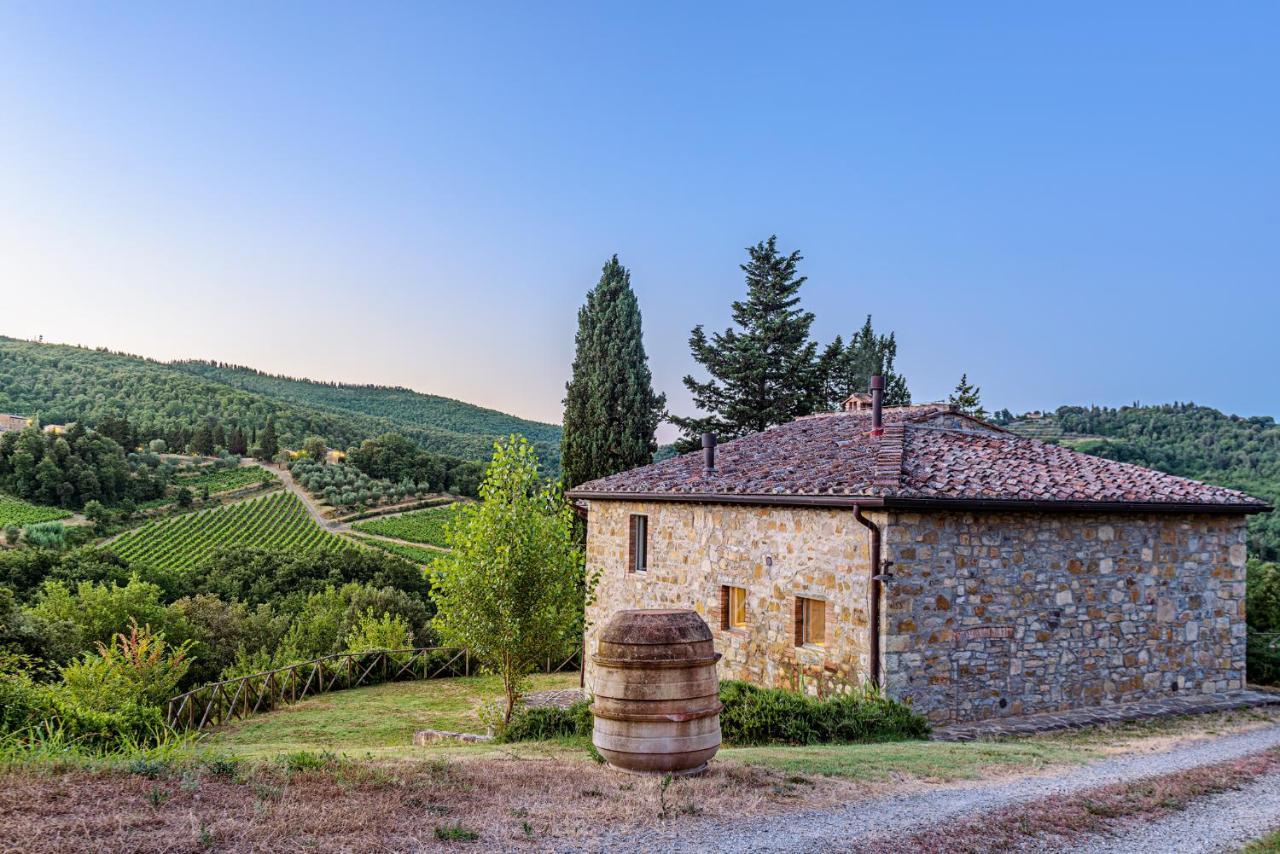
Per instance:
(379,721)
(926,760)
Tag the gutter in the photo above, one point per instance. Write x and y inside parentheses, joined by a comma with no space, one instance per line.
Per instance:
(922,504)
(874,588)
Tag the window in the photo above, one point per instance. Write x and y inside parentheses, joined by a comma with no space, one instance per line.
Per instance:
(638,544)
(733,607)
(811,621)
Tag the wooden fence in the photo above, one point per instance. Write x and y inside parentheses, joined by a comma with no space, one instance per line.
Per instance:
(218,702)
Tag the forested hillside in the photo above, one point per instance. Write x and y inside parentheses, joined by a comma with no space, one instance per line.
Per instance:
(1182,439)
(404,406)
(63,384)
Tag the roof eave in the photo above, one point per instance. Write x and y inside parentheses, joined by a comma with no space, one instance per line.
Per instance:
(924,504)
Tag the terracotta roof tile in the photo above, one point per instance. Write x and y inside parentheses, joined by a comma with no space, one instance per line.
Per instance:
(926,452)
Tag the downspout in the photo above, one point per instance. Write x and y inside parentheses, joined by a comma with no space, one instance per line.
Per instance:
(873,619)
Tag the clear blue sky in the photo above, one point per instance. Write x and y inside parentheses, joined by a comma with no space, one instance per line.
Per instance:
(1077,204)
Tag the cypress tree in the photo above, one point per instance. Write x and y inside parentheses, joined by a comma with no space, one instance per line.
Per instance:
(267,441)
(765,372)
(610,409)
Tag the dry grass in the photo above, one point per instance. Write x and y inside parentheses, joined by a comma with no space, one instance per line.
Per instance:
(346,806)
(1093,811)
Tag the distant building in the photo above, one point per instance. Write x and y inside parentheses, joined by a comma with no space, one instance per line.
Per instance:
(13,423)
(55,429)
(334,456)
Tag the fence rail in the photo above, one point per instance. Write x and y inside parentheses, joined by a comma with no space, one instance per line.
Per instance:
(230,699)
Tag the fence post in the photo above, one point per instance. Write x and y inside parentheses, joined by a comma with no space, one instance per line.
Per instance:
(466,662)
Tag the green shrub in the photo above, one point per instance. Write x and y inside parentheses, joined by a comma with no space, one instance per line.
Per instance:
(95,613)
(372,632)
(46,535)
(1262,658)
(33,713)
(543,723)
(138,667)
(754,715)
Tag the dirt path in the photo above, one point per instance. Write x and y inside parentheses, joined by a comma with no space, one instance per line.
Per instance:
(821,830)
(313,509)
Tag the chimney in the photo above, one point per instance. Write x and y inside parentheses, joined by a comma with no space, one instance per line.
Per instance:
(877,402)
(709,452)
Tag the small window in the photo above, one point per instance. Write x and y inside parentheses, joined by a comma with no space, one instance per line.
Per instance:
(733,607)
(638,544)
(811,622)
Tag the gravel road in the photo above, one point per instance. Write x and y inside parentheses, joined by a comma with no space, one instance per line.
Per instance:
(839,829)
(1223,822)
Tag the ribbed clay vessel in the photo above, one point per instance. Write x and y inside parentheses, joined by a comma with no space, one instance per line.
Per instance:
(657,695)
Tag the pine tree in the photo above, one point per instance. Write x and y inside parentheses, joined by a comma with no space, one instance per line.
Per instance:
(968,398)
(847,370)
(766,371)
(610,409)
(267,441)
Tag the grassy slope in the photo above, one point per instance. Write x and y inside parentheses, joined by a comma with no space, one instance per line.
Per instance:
(380,720)
(64,383)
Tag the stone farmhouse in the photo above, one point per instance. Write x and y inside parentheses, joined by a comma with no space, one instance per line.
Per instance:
(13,423)
(972,571)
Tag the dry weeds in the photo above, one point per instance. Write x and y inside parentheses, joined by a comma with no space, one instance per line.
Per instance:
(1092,811)
(516,803)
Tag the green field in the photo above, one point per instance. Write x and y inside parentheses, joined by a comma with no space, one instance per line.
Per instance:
(417,554)
(420,526)
(15,511)
(277,521)
(225,480)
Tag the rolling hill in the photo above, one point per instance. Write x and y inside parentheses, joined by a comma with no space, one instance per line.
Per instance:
(1183,439)
(63,383)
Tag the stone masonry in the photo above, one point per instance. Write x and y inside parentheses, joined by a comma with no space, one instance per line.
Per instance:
(775,553)
(986,615)
(1011,614)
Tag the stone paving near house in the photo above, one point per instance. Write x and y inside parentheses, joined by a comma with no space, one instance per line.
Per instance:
(1190,704)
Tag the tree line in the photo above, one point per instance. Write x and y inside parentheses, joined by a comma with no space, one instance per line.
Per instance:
(762,371)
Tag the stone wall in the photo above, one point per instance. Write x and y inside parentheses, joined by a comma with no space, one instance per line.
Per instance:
(775,553)
(1003,614)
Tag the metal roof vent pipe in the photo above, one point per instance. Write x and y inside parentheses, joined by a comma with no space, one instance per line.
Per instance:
(709,452)
(877,405)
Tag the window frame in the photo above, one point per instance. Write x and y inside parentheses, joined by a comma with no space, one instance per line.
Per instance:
(728,608)
(637,543)
(804,621)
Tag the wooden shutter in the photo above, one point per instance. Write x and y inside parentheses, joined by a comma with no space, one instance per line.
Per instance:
(799,621)
(632,523)
(724,608)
